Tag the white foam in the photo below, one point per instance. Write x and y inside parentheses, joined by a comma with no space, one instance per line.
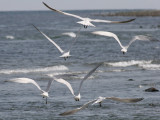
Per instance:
(81,77)
(150,66)
(46,69)
(10,37)
(56,74)
(71,34)
(118,70)
(128,63)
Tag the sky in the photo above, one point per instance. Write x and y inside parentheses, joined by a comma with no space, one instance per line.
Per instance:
(23,5)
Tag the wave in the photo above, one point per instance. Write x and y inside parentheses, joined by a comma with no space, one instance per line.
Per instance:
(46,69)
(147,65)
(128,63)
(151,66)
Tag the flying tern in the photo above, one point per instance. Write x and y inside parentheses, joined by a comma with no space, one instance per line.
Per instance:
(123,48)
(64,55)
(78,97)
(28,80)
(86,21)
(99,100)
(125,100)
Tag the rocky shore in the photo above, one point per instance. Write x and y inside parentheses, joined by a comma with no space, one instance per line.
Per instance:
(137,13)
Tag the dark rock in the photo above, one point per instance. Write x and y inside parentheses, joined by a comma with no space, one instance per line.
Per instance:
(130,79)
(152,89)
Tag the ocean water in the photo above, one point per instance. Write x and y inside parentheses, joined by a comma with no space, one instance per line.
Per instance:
(24,52)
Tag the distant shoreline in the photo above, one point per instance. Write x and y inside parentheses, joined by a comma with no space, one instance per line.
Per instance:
(109,12)
(137,13)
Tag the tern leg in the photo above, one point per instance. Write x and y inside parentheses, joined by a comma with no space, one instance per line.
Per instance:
(46,100)
(85,26)
(100,104)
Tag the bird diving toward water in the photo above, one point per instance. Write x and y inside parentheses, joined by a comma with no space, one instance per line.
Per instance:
(78,97)
(28,80)
(99,100)
(123,48)
(64,55)
(86,21)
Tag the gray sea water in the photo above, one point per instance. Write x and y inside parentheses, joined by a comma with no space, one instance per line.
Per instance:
(24,52)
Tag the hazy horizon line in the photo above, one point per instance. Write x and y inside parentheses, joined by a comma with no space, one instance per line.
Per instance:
(75,10)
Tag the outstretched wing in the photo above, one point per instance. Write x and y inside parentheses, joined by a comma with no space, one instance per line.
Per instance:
(69,14)
(127,100)
(65,83)
(57,46)
(77,109)
(108,34)
(139,37)
(89,74)
(107,21)
(77,35)
(25,80)
(49,85)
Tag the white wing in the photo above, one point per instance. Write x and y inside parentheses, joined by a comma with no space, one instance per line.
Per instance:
(50,40)
(49,85)
(107,21)
(108,34)
(76,16)
(25,80)
(65,83)
(89,74)
(74,39)
(77,109)
(139,37)
(127,100)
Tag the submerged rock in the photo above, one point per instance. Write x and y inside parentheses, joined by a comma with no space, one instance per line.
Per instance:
(130,79)
(152,89)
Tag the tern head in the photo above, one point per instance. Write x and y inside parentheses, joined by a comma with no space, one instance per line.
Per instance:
(124,50)
(86,22)
(45,94)
(78,97)
(65,55)
(100,99)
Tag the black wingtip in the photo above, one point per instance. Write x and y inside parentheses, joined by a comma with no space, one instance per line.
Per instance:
(35,27)
(141,99)
(44,3)
(128,20)
(50,7)
(61,114)
(64,114)
(133,19)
